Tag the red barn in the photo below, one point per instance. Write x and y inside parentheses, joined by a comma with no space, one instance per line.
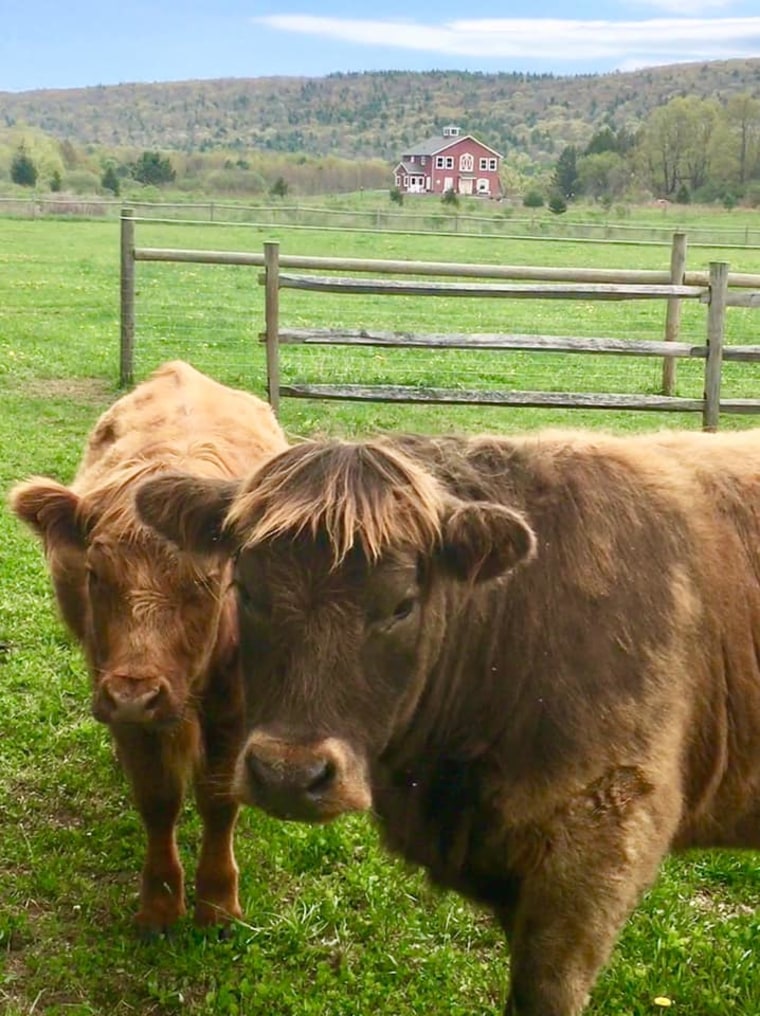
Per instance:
(450,161)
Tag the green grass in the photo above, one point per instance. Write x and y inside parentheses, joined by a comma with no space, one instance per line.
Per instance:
(333,925)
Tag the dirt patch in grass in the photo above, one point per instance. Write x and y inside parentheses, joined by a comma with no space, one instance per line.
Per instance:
(95,391)
(708,903)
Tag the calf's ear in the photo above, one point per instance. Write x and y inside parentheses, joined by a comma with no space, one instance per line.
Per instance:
(189,510)
(481,540)
(50,510)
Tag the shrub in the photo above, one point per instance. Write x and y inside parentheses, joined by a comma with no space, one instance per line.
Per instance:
(557,204)
(279,188)
(450,198)
(396,196)
(533,199)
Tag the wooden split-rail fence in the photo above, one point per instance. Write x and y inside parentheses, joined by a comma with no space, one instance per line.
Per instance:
(718,289)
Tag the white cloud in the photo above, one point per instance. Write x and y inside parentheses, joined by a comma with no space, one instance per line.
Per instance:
(656,40)
(687,7)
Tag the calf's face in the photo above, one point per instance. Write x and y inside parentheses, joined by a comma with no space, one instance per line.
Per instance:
(335,654)
(145,613)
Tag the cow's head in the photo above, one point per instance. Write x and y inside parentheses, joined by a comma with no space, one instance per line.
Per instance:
(348,560)
(146,614)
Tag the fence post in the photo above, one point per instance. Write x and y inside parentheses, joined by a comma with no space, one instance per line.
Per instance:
(716,321)
(272,320)
(127,339)
(673,312)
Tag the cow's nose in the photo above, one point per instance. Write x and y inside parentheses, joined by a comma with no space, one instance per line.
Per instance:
(277,782)
(129,700)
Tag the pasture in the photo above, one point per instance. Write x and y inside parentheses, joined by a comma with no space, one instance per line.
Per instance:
(332,925)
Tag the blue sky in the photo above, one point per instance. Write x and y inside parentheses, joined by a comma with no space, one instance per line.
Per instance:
(74,43)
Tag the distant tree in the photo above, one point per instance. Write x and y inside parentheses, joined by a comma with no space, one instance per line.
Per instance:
(600,174)
(604,140)
(396,196)
(533,199)
(69,154)
(743,113)
(153,168)
(23,169)
(676,143)
(565,178)
(110,180)
(279,188)
(683,197)
(56,183)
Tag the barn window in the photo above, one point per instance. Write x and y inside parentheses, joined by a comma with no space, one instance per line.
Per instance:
(466,162)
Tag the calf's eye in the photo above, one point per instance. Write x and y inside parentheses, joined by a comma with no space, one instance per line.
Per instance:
(251,603)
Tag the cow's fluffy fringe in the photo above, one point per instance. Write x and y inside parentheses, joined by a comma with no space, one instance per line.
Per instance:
(366,495)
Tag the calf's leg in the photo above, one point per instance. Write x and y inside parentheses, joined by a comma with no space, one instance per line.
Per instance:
(216,883)
(157,766)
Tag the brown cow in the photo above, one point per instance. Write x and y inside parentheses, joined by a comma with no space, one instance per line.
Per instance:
(158,626)
(536,658)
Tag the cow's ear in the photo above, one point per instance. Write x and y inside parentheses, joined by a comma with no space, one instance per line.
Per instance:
(481,540)
(189,510)
(50,510)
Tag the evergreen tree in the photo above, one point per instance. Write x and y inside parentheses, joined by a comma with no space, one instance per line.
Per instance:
(565,177)
(110,181)
(23,169)
(153,168)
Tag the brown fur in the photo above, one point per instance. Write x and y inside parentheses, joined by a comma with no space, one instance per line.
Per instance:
(157,624)
(545,672)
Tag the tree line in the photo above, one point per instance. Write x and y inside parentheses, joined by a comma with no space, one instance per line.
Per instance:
(687,150)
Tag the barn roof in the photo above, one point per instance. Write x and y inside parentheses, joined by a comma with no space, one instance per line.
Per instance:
(435,144)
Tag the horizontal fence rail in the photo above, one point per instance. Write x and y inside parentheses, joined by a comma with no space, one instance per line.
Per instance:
(716,289)
(418,216)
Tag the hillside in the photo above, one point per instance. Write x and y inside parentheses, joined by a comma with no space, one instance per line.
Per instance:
(369,115)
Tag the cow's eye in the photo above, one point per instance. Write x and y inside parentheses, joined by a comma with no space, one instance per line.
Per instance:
(404,608)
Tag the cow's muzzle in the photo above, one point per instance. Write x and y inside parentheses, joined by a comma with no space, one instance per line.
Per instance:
(312,782)
(121,698)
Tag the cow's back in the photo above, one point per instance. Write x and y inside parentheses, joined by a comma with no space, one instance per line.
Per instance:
(186,417)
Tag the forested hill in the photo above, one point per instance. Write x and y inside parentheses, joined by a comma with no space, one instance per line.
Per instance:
(370,114)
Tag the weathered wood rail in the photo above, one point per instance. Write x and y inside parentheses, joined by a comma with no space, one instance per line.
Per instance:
(718,289)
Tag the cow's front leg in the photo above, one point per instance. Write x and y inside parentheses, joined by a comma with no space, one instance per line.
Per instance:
(156,767)
(573,904)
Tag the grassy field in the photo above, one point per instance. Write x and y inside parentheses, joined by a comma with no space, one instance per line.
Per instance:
(333,926)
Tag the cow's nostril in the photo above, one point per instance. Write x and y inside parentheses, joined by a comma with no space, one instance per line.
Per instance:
(152,698)
(321,777)
(260,773)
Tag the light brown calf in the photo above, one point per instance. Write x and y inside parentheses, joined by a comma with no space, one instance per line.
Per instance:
(158,625)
